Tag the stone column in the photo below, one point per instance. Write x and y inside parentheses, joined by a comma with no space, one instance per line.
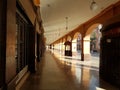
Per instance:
(86,46)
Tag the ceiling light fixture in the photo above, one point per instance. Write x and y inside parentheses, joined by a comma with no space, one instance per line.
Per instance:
(66,23)
(48,5)
(93,5)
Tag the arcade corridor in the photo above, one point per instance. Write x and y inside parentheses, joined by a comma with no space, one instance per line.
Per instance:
(52,74)
(29,27)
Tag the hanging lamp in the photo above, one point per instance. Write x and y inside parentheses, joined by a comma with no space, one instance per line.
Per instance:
(93,5)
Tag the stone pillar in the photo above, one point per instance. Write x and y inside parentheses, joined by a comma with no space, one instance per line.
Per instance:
(86,46)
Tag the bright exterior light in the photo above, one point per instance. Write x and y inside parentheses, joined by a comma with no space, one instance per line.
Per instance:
(100,26)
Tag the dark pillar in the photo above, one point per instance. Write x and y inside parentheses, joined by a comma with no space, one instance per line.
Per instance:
(110,52)
(2,42)
(82,49)
(38,49)
(11,45)
(31,51)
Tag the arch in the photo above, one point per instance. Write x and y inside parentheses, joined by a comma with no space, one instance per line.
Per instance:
(69,38)
(92,38)
(76,43)
(63,40)
(76,35)
(91,28)
(60,41)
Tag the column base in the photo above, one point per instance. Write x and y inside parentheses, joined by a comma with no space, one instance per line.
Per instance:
(87,57)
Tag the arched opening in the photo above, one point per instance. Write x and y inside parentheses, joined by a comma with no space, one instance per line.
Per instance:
(79,43)
(56,46)
(68,49)
(95,40)
(92,41)
(68,46)
(69,38)
(76,44)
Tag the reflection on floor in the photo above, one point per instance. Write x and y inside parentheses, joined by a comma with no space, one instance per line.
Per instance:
(76,59)
(55,74)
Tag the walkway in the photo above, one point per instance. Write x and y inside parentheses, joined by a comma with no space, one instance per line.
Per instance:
(53,74)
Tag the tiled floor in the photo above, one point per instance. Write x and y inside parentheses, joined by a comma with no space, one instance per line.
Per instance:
(55,74)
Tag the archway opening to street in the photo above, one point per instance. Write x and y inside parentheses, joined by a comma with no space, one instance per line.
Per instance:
(76,45)
(95,40)
(92,42)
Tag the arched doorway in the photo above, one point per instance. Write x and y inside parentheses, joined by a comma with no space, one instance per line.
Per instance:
(68,48)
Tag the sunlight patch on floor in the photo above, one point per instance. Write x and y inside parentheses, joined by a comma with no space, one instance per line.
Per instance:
(97,88)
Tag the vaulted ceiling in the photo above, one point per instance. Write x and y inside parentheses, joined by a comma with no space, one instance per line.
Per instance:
(59,14)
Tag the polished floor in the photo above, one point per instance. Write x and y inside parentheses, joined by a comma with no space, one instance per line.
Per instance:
(55,74)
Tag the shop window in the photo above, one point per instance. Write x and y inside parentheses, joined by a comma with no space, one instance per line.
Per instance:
(21,60)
